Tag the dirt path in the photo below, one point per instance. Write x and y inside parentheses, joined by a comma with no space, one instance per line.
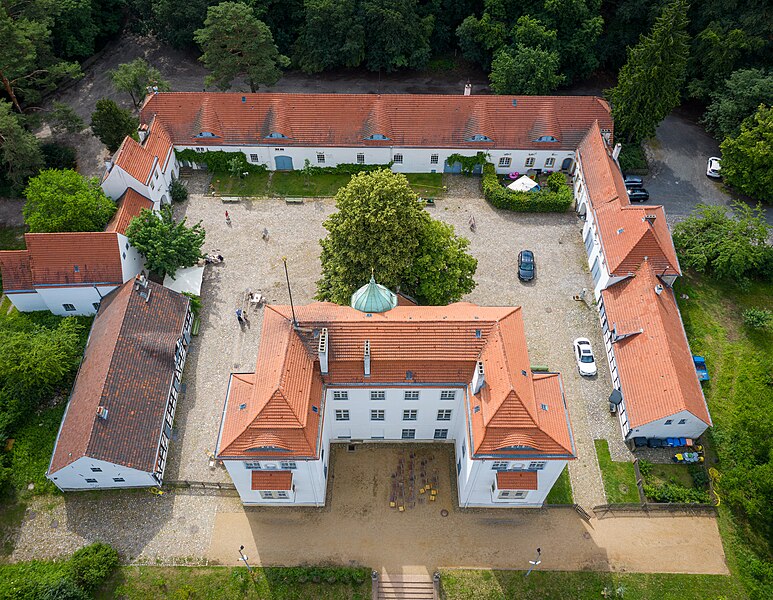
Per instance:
(360,528)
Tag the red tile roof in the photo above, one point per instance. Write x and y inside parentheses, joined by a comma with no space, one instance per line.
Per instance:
(329,120)
(135,160)
(517,480)
(129,206)
(275,413)
(272,480)
(128,367)
(657,375)
(16,271)
(158,143)
(74,258)
(603,179)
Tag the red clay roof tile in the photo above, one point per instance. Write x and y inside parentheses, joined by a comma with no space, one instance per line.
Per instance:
(16,270)
(130,204)
(517,480)
(272,480)
(74,258)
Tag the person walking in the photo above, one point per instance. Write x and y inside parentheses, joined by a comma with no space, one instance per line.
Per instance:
(227,219)
(240,316)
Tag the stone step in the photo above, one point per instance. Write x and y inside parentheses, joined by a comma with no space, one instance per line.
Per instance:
(406,587)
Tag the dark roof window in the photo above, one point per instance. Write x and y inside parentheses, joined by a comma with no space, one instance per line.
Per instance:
(546,138)
(479,138)
(377,136)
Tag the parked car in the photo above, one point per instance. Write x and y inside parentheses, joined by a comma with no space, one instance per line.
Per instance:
(714,167)
(638,195)
(583,354)
(633,181)
(527,268)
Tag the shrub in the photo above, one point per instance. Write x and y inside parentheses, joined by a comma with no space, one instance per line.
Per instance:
(59,156)
(219,161)
(93,564)
(671,492)
(178,191)
(757,318)
(64,589)
(633,159)
(550,200)
(645,467)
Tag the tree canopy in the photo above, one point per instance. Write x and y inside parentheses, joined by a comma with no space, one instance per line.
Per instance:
(725,244)
(111,123)
(235,43)
(166,244)
(63,200)
(737,99)
(20,155)
(63,119)
(381,228)
(136,77)
(747,159)
(649,84)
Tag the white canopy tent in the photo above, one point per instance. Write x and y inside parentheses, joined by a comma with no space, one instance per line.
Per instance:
(523,184)
(186,280)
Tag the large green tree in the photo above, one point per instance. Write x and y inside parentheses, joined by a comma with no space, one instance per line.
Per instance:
(63,200)
(186,16)
(649,84)
(235,43)
(525,70)
(20,155)
(136,77)
(747,159)
(725,244)
(332,36)
(738,99)
(397,35)
(166,244)
(111,123)
(380,227)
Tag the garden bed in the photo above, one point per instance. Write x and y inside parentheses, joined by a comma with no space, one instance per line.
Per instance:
(619,477)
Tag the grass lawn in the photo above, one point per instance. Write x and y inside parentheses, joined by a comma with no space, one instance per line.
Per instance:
(678,474)
(582,585)
(282,184)
(619,478)
(561,493)
(141,583)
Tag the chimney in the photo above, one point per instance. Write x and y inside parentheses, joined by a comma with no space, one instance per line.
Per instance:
(658,289)
(366,357)
(102,413)
(477,377)
(468,88)
(650,218)
(322,351)
(616,151)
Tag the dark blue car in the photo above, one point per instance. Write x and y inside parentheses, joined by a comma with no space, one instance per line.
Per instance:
(527,269)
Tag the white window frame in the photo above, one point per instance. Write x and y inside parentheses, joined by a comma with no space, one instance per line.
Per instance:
(444,414)
(342,414)
(499,465)
(251,465)
(512,494)
(505,161)
(254,158)
(360,158)
(274,494)
(529,162)
(397,159)
(441,434)
(378,395)
(410,414)
(377,414)
(537,465)
(411,395)
(288,465)
(408,434)
(71,309)
(448,395)
(434,159)
(550,162)
(320,158)
(340,395)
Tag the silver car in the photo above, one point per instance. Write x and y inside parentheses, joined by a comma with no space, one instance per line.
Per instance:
(583,354)
(714,167)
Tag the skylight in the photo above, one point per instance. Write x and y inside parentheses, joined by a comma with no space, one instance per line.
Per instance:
(207,134)
(546,138)
(276,134)
(479,138)
(377,136)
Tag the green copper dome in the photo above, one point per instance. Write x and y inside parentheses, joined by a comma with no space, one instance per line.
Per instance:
(373,298)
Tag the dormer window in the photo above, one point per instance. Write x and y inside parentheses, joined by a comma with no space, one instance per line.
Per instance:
(207,134)
(479,138)
(546,138)
(377,136)
(276,135)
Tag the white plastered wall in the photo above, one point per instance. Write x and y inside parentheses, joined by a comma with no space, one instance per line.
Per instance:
(73,477)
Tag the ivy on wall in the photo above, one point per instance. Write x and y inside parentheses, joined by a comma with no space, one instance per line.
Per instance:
(468,162)
(219,161)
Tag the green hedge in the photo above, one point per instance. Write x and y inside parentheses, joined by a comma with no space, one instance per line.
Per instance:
(218,161)
(347,169)
(557,198)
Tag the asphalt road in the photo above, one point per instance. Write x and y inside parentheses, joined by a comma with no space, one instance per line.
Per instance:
(677,178)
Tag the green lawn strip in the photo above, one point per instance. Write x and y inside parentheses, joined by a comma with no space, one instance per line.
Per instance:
(254,184)
(427,185)
(581,585)
(12,238)
(619,478)
(275,583)
(678,474)
(30,579)
(561,493)
(294,184)
(32,449)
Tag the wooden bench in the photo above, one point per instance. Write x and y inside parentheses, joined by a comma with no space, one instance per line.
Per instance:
(230,199)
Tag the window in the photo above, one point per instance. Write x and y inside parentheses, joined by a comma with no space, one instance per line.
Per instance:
(398,159)
(377,136)
(550,162)
(478,137)
(89,480)
(537,465)
(201,149)
(360,159)
(288,464)
(340,395)
(96,470)
(152,186)
(512,494)
(448,395)
(546,138)
(410,415)
(505,161)
(252,465)
(530,162)
(377,415)
(124,255)
(669,421)
(458,466)
(95,305)
(411,395)
(68,307)
(378,395)
(499,465)
(274,494)
(253,157)
(444,414)
(119,479)
(464,449)
(433,159)
(409,434)
(320,158)
(441,434)
(342,415)
(156,175)
(682,421)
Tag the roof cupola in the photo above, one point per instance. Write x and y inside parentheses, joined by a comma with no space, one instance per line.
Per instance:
(373,298)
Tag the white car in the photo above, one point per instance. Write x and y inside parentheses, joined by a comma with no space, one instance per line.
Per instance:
(714,167)
(583,354)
